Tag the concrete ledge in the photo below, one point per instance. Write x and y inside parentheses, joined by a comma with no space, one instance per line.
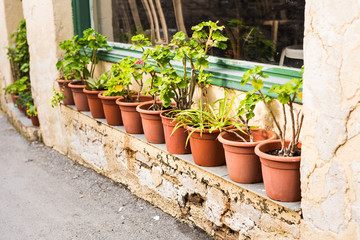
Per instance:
(203,196)
(21,123)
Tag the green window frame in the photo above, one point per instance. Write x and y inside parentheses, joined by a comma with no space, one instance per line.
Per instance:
(226,72)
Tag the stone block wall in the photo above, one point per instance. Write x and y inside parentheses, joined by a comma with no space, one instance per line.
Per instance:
(178,187)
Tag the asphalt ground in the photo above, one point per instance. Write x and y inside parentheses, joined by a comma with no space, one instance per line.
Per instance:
(45,195)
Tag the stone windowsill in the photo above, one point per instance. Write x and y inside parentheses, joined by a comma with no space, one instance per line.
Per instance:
(221,171)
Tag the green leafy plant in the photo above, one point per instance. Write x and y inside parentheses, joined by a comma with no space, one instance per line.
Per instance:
(180,88)
(286,94)
(215,116)
(18,86)
(19,53)
(31,109)
(120,80)
(94,84)
(25,97)
(245,111)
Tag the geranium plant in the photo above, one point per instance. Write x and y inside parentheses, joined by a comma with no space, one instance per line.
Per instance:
(286,94)
(120,79)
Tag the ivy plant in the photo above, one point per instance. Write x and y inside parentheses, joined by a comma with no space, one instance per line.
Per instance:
(19,53)
(286,94)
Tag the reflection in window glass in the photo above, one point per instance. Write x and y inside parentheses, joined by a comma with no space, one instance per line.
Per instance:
(258,30)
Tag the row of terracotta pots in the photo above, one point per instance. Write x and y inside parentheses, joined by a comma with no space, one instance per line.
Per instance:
(281,176)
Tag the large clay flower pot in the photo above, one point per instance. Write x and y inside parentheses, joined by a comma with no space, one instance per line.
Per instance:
(281,174)
(111,110)
(206,149)
(241,161)
(95,104)
(80,98)
(130,117)
(68,100)
(175,142)
(151,121)
(35,121)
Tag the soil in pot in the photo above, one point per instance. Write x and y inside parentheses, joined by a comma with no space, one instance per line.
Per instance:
(241,161)
(80,98)
(281,175)
(130,117)
(111,110)
(68,100)
(175,141)
(206,149)
(151,121)
(35,121)
(95,104)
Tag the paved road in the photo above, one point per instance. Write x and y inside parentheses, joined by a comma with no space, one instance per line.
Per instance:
(44,195)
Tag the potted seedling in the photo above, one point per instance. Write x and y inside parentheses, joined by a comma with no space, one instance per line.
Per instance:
(93,86)
(204,125)
(133,70)
(88,46)
(18,87)
(118,85)
(32,112)
(71,69)
(180,88)
(280,159)
(80,53)
(150,111)
(241,161)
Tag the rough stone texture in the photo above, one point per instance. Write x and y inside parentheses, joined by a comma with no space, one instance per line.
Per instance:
(10,15)
(329,169)
(180,188)
(43,42)
(21,123)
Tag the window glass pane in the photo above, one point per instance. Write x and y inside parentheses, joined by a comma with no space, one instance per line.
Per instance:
(258,30)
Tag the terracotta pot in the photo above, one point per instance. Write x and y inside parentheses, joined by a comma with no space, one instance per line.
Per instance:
(281,174)
(35,121)
(80,98)
(68,100)
(111,110)
(21,109)
(14,98)
(130,117)
(241,161)
(206,149)
(151,121)
(175,142)
(95,104)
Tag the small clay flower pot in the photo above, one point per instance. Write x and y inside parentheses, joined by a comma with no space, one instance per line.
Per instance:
(151,121)
(68,100)
(14,98)
(35,121)
(175,141)
(130,117)
(111,110)
(281,174)
(206,149)
(241,161)
(95,104)
(80,98)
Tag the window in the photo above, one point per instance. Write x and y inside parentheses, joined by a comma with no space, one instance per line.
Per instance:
(258,30)
(115,19)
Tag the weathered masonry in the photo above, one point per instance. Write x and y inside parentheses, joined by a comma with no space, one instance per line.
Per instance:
(330,168)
